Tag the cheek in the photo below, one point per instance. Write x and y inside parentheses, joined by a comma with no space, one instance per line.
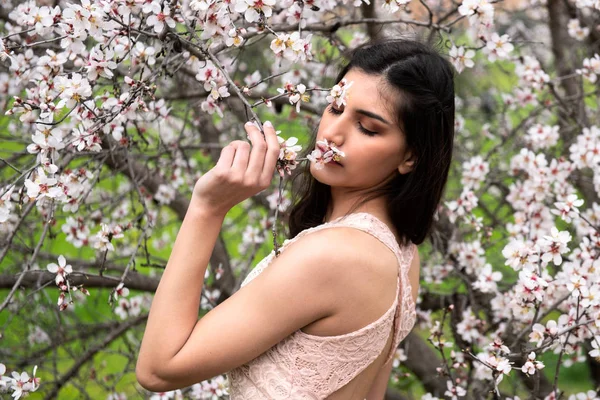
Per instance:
(378,160)
(376,153)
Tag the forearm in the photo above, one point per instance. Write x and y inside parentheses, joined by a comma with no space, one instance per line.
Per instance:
(174,310)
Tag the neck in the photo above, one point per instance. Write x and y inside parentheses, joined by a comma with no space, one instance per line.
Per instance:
(343,202)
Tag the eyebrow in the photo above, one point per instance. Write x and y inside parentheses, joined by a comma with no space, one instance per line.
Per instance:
(373,115)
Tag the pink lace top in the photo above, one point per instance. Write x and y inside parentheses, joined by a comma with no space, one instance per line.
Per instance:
(304,366)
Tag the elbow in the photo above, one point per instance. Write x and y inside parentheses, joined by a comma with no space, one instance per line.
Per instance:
(163,376)
(150,380)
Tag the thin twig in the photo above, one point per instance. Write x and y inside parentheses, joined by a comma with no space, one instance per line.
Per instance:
(31,259)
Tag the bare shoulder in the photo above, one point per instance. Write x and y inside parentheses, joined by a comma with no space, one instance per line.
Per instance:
(343,259)
(339,247)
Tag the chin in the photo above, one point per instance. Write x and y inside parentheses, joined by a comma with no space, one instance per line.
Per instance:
(325,175)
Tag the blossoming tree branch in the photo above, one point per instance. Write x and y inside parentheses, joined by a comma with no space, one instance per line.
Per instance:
(113,109)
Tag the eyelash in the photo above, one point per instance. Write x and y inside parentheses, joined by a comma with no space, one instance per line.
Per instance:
(360,127)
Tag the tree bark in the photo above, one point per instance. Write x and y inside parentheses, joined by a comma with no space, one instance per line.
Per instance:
(423,362)
(38,278)
(594,366)
(563,49)
(374,30)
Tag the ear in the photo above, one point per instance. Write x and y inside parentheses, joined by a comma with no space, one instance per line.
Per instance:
(408,164)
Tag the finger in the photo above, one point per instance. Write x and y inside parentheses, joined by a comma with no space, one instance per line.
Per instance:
(226,158)
(272,155)
(259,149)
(240,159)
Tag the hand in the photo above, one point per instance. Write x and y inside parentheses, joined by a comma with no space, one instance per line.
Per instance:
(240,172)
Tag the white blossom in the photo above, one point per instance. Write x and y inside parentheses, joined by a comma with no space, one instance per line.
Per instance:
(253,9)
(498,47)
(461,58)
(159,19)
(576,31)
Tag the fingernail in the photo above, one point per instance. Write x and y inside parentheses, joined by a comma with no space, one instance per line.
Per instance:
(268,124)
(249,123)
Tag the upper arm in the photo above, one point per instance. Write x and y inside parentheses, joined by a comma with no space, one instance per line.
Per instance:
(296,289)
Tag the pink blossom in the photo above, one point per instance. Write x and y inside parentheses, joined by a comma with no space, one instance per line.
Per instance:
(595,352)
(542,136)
(120,291)
(144,54)
(454,391)
(234,38)
(553,245)
(475,171)
(292,47)
(42,186)
(287,155)
(568,208)
(478,11)
(461,58)
(498,47)
(61,270)
(591,68)
(391,6)
(296,94)
(463,205)
(576,31)
(22,384)
(531,366)
(253,9)
(100,63)
(339,93)
(74,90)
(486,279)
(519,255)
(324,153)
(159,19)
(533,285)
(530,72)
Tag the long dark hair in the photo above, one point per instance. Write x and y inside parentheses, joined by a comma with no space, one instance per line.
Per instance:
(425,112)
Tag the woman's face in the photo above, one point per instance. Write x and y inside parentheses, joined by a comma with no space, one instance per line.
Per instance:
(364,129)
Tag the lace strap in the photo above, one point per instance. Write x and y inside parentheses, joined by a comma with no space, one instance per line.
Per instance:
(365,222)
(405,316)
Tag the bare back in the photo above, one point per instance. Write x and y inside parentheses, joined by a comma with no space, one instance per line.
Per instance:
(366,295)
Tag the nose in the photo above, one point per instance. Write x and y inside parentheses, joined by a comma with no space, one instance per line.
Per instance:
(334,132)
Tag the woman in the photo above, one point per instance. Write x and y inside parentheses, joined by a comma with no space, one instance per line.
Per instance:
(325,318)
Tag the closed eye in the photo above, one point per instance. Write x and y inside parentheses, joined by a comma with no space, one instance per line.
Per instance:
(360,127)
(333,110)
(366,131)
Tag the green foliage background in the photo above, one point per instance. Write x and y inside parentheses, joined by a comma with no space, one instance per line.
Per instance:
(114,369)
